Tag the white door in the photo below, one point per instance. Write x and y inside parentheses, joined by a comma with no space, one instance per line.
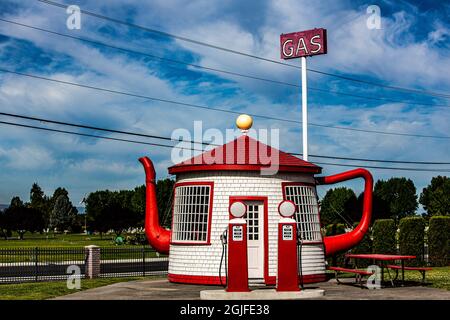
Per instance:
(255,238)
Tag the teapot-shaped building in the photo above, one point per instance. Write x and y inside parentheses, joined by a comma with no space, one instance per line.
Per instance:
(209,183)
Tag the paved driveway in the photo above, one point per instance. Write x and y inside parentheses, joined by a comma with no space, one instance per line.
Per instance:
(164,290)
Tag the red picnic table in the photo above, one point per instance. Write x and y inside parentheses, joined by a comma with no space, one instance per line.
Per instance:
(383,259)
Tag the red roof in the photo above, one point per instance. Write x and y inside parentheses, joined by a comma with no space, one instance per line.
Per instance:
(245,154)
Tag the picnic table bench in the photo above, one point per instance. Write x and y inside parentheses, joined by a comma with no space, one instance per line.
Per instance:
(422,270)
(384,258)
(358,274)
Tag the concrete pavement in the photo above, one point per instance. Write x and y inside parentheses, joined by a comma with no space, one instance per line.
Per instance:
(164,290)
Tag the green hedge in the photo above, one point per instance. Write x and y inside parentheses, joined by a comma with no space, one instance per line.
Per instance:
(384,231)
(332,230)
(412,238)
(365,246)
(438,241)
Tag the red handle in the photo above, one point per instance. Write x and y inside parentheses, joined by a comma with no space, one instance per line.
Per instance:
(348,240)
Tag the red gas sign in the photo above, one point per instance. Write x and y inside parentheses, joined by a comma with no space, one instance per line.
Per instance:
(303,43)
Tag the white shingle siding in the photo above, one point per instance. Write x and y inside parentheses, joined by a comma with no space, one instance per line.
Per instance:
(204,260)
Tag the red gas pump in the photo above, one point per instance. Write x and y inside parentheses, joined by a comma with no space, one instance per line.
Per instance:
(237,249)
(287,274)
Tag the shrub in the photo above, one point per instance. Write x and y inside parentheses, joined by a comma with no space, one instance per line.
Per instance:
(411,239)
(438,241)
(332,230)
(384,232)
(365,246)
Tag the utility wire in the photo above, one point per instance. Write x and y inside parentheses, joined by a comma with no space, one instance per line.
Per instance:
(83,126)
(86,134)
(232,73)
(190,105)
(169,146)
(173,36)
(369,160)
(350,225)
(379,167)
(93,127)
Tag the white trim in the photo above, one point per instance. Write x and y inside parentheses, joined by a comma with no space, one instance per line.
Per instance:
(307,213)
(191,214)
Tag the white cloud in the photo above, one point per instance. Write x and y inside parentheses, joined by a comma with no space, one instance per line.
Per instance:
(27,158)
(386,54)
(98,166)
(87,164)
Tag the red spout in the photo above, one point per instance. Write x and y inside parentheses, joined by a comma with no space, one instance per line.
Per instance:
(158,237)
(348,240)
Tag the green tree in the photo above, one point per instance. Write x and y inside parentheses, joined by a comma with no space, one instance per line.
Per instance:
(398,197)
(124,197)
(4,230)
(380,208)
(411,238)
(97,217)
(164,194)
(337,259)
(107,210)
(384,232)
(138,203)
(63,215)
(78,224)
(439,241)
(60,191)
(56,194)
(339,205)
(62,212)
(6,226)
(39,201)
(120,213)
(365,246)
(16,202)
(23,218)
(435,198)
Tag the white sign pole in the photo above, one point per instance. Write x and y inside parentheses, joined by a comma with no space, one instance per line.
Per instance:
(304,110)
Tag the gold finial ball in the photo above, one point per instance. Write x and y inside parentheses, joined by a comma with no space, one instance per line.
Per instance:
(244,122)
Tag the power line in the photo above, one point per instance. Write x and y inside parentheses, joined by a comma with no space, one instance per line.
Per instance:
(370,160)
(83,134)
(377,98)
(83,126)
(201,43)
(379,167)
(232,73)
(350,225)
(190,105)
(168,146)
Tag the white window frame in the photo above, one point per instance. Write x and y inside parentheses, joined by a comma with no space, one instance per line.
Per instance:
(191,214)
(307,213)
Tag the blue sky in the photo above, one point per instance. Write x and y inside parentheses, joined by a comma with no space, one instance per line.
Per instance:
(410,50)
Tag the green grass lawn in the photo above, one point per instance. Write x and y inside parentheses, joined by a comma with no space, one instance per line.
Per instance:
(68,241)
(47,290)
(436,278)
(59,240)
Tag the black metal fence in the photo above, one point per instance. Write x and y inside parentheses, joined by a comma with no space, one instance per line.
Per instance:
(44,264)
(132,262)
